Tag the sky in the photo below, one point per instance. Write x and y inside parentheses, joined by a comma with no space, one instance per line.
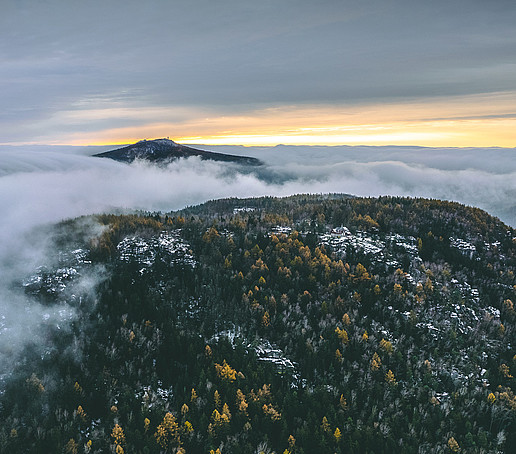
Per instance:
(368,72)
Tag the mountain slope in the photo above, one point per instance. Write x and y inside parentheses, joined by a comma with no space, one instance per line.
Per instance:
(324,324)
(165,151)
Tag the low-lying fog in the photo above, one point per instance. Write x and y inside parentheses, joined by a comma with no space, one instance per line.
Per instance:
(40,185)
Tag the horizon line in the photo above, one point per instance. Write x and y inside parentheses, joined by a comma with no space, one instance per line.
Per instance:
(243,144)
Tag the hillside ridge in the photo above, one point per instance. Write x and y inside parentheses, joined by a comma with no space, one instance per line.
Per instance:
(163,151)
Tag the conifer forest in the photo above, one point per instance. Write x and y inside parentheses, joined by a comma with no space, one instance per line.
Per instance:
(306,324)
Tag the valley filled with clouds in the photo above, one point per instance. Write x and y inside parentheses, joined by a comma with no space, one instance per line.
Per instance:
(45,185)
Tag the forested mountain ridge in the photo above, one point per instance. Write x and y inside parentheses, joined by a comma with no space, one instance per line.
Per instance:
(305,324)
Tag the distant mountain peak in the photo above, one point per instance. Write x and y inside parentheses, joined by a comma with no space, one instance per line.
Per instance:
(163,141)
(163,151)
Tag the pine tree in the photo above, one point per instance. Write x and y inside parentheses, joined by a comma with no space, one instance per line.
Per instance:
(226,372)
(386,346)
(118,436)
(453,445)
(167,433)
(342,335)
(376,362)
(193,395)
(325,425)
(216,399)
(71,447)
(266,320)
(241,402)
(389,378)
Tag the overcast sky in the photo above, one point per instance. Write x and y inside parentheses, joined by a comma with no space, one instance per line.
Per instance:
(439,72)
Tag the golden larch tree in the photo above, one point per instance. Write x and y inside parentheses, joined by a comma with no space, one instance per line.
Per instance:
(225,372)
(167,433)
(118,436)
(453,445)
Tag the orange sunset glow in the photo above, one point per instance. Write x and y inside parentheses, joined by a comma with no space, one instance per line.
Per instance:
(475,121)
